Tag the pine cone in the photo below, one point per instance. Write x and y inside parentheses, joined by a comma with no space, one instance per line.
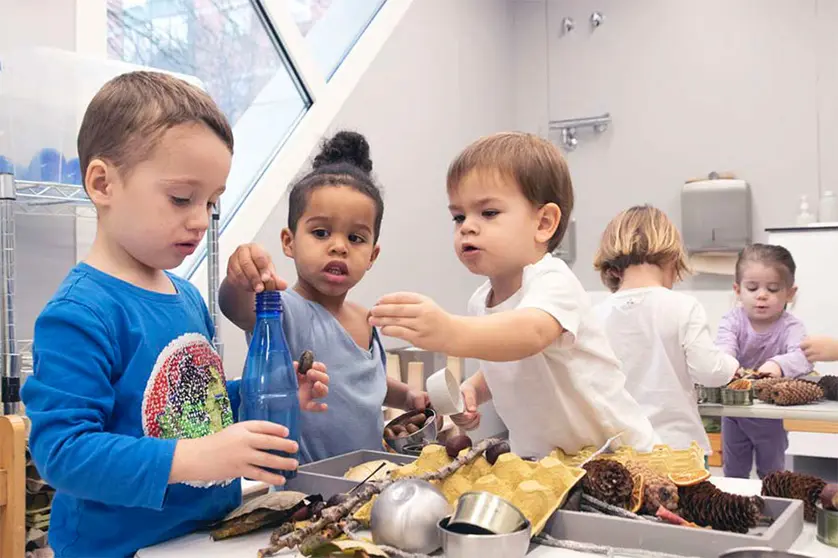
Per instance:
(785,484)
(706,505)
(829,385)
(796,392)
(657,490)
(608,481)
(763,388)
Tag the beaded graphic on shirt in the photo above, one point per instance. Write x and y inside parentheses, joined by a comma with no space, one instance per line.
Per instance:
(186,394)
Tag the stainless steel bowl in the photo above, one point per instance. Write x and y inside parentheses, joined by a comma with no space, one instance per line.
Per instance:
(738,397)
(456,544)
(487,512)
(406,515)
(827,521)
(759,552)
(412,443)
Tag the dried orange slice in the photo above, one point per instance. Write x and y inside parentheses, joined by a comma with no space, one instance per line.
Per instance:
(741,384)
(689,478)
(639,485)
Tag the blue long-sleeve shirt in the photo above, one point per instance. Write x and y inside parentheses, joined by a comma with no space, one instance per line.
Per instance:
(120,374)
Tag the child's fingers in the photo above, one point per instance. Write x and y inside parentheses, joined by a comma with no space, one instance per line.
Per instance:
(264,442)
(266,427)
(271,461)
(401,298)
(395,310)
(399,332)
(252,274)
(315,407)
(262,475)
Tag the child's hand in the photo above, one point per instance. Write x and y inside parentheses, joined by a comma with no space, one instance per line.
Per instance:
(416,401)
(240,450)
(250,268)
(772,369)
(820,349)
(414,318)
(313,385)
(470,418)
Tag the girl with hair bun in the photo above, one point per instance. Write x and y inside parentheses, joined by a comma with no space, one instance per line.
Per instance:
(334,222)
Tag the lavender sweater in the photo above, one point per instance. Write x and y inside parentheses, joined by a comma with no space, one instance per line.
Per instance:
(780,343)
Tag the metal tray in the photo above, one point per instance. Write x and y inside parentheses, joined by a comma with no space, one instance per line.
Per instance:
(326,477)
(684,541)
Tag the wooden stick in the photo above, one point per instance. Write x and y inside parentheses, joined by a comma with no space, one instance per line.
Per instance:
(329,517)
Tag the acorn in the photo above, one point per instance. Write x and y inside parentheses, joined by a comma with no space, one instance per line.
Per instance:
(496,451)
(306,362)
(456,444)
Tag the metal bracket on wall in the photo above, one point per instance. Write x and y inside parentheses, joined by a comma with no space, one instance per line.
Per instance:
(569,127)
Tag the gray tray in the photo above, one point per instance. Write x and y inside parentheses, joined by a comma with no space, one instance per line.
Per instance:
(684,541)
(326,477)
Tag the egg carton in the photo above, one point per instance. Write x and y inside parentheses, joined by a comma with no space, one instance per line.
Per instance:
(662,458)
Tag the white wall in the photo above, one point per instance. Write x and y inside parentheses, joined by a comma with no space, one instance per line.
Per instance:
(431,90)
(746,86)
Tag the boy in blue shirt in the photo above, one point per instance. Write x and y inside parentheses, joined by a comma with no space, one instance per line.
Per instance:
(133,421)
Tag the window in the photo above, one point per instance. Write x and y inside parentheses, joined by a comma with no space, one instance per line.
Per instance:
(227,46)
(331,27)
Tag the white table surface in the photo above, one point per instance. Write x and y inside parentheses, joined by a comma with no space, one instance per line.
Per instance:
(823,410)
(200,544)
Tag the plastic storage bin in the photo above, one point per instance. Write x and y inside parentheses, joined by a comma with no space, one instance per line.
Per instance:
(43,95)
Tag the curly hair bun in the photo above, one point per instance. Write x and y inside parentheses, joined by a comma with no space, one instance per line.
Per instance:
(345,147)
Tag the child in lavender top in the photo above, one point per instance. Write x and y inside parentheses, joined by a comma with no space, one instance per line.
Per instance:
(762,336)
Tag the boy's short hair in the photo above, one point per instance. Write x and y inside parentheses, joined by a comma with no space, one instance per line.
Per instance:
(535,164)
(128,116)
(639,235)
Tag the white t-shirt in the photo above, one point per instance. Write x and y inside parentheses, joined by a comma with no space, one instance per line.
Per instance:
(664,343)
(572,394)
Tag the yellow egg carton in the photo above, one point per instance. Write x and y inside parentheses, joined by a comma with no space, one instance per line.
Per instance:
(662,458)
(536,488)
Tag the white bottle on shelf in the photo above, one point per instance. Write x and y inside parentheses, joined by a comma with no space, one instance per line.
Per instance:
(804,216)
(828,207)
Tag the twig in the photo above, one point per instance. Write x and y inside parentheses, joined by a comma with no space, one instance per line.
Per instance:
(547,540)
(608,508)
(332,515)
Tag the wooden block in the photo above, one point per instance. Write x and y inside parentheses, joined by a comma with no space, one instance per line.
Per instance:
(393,367)
(416,376)
(455,365)
(13,463)
(819,426)
(715,441)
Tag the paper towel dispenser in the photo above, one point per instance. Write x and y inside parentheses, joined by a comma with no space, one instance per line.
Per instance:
(716,215)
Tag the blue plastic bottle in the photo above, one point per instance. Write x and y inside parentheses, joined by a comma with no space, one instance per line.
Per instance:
(269,383)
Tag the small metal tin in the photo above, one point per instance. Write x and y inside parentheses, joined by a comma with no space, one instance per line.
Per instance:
(827,521)
(711,395)
(738,397)
(456,544)
(488,513)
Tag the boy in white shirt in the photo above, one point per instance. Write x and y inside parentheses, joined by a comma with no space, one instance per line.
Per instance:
(660,336)
(545,362)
